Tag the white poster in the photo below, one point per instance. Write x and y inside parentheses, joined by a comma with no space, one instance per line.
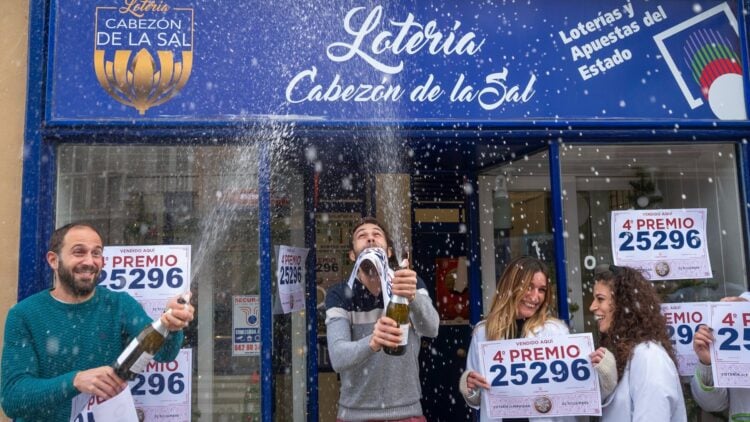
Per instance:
(683,320)
(152,275)
(290,276)
(667,244)
(730,351)
(246,325)
(540,377)
(120,408)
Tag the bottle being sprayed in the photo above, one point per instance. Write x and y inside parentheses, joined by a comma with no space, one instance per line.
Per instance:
(398,310)
(141,350)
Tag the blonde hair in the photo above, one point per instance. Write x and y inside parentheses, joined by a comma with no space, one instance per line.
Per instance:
(510,290)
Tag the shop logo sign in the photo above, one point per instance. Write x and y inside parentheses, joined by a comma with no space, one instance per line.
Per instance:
(143,51)
(707,47)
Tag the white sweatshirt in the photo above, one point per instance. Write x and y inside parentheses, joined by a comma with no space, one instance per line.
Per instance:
(649,389)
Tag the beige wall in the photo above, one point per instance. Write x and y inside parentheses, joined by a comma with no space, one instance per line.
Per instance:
(13,55)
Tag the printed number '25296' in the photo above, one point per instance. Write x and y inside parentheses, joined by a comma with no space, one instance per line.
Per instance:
(139,278)
(558,368)
(659,240)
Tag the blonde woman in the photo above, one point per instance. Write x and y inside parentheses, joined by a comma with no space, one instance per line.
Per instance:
(520,309)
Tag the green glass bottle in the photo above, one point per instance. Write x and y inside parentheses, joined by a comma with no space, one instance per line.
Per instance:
(398,310)
(141,350)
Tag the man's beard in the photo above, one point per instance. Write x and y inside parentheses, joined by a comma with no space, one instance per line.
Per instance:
(80,288)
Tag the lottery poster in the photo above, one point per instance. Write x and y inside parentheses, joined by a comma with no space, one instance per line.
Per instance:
(683,320)
(153,274)
(540,377)
(120,408)
(290,276)
(666,244)
(730,351)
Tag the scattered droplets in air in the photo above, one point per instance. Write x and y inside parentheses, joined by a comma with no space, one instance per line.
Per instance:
(710,180)
(346,183)
(53,345)
(311,154)
(684,196)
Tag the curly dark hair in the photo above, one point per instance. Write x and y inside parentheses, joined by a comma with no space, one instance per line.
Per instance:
(637,315)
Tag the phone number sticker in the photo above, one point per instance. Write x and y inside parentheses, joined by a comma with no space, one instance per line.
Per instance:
(730,351)
(535,377)
(683,320)
(667,244)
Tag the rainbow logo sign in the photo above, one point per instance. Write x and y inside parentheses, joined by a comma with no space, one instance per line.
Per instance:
(708,45)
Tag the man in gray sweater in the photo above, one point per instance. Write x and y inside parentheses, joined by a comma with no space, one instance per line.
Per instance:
(376,386)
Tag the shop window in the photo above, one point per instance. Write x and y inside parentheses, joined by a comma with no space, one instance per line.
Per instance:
(600,179)
(206,197)
(516,215)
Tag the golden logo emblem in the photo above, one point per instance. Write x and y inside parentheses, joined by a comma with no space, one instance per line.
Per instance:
(136,52)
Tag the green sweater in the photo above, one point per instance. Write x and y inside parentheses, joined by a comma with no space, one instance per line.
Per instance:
(47,342)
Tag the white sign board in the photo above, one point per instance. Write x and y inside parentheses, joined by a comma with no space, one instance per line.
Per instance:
(540,377)
(88,408)
(290,277)
(152,275)
(683,320)
(730,351)
(667,244)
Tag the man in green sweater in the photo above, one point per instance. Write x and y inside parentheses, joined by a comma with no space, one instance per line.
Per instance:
(60,342)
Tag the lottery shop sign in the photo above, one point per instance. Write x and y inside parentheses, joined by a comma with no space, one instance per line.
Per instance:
(540,377)
(667,244)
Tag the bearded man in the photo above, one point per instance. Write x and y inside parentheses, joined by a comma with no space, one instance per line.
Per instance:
(60,342)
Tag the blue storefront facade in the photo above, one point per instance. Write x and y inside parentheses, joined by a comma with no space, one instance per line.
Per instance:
(477,130)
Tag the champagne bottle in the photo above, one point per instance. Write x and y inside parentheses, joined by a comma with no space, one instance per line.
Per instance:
(398,310)
(141,350)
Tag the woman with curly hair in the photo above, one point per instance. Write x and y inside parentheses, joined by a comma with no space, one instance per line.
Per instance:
(519,310)
(627,310)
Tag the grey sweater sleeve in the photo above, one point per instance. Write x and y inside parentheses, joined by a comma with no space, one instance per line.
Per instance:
(344,352)
(423,315)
